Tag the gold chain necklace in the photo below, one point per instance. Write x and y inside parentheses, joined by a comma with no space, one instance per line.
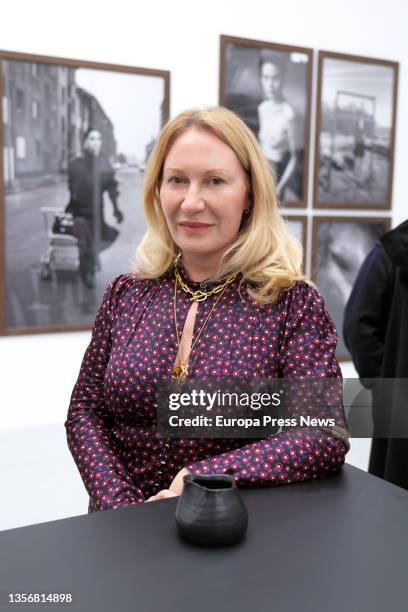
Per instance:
(180,372)
(200,296)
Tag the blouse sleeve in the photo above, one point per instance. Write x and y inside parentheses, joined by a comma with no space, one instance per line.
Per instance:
(87,425)
(300,453)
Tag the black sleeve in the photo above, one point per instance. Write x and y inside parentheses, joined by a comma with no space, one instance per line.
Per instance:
(73,170)
(366,313)
(113,188)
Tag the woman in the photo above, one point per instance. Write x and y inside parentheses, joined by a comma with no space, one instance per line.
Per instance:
(89,177)
(232,304)
(276,124)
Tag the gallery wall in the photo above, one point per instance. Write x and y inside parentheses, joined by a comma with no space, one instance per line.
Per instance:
(38,371)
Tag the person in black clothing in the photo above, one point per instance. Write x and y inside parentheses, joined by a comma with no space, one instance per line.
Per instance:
(89,177)
(376,334)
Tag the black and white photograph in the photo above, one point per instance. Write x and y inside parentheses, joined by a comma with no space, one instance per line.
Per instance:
(355,132)
(269,86)
(340,245)
(76,140)
(297,226)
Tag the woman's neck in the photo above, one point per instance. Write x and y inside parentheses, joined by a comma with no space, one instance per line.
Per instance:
(200,267)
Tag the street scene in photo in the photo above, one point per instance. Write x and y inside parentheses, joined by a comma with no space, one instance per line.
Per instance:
(356,118)
(49,111)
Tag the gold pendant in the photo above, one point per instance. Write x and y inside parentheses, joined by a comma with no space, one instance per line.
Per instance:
(199,296)
(180,371)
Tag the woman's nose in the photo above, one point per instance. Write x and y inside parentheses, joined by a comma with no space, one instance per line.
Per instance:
(193,199)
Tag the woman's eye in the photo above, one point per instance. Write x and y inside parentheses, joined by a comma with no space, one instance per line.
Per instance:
(176,179)
(216,180)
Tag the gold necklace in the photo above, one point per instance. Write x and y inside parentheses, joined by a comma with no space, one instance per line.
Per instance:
(200,296)
(180,372)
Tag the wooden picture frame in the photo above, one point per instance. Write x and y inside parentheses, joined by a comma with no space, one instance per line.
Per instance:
(339,247)
(75,137)
(269,86)
(355,132)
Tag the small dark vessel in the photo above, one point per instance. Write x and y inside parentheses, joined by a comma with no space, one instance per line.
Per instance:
(210,511)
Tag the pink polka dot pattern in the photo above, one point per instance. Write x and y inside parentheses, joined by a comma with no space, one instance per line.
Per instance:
(111,422)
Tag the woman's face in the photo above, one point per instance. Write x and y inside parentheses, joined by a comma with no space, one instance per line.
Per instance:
(93,142)
(203,192)
(271,80)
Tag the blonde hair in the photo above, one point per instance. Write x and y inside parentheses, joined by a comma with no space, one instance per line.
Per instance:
(264,251)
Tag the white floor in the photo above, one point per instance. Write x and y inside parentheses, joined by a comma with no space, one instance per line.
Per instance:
(40,482)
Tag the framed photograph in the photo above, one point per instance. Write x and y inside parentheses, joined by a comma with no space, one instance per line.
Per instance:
(75,137)
(269,87)
(297,226)
(339,247)
(355,132)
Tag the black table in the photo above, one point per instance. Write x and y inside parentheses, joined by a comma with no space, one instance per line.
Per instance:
(340,543)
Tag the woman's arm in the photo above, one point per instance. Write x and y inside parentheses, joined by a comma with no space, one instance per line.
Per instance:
(89,439)
(299,453)
(113,191)
(259,123)
(291,165)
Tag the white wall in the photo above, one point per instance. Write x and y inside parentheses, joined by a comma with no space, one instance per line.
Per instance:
(38,371)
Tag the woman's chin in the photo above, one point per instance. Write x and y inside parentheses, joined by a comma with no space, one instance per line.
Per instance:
(197,249)
(199,244)
(203,250)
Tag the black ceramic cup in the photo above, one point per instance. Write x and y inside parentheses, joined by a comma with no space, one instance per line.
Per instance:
(210,511)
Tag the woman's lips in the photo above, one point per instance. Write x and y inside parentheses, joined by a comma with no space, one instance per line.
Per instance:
(195,227)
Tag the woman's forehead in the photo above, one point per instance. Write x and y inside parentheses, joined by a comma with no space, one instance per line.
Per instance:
(200,147)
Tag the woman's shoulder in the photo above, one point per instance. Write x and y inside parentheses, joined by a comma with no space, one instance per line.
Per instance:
(298,293)
(127,287)
(78,166)
(287,110)
(77,161)
(297,301)
(302,296)
(302,290)
(262,105)
(305,307)
(104,162)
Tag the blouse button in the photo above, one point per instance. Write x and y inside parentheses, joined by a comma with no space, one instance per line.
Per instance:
(203,286)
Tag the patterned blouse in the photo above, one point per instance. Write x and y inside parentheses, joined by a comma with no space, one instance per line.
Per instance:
(111,423)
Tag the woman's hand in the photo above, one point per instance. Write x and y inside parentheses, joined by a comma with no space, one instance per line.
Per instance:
(163,494)
(175,489)
(177,484)
(118,215)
